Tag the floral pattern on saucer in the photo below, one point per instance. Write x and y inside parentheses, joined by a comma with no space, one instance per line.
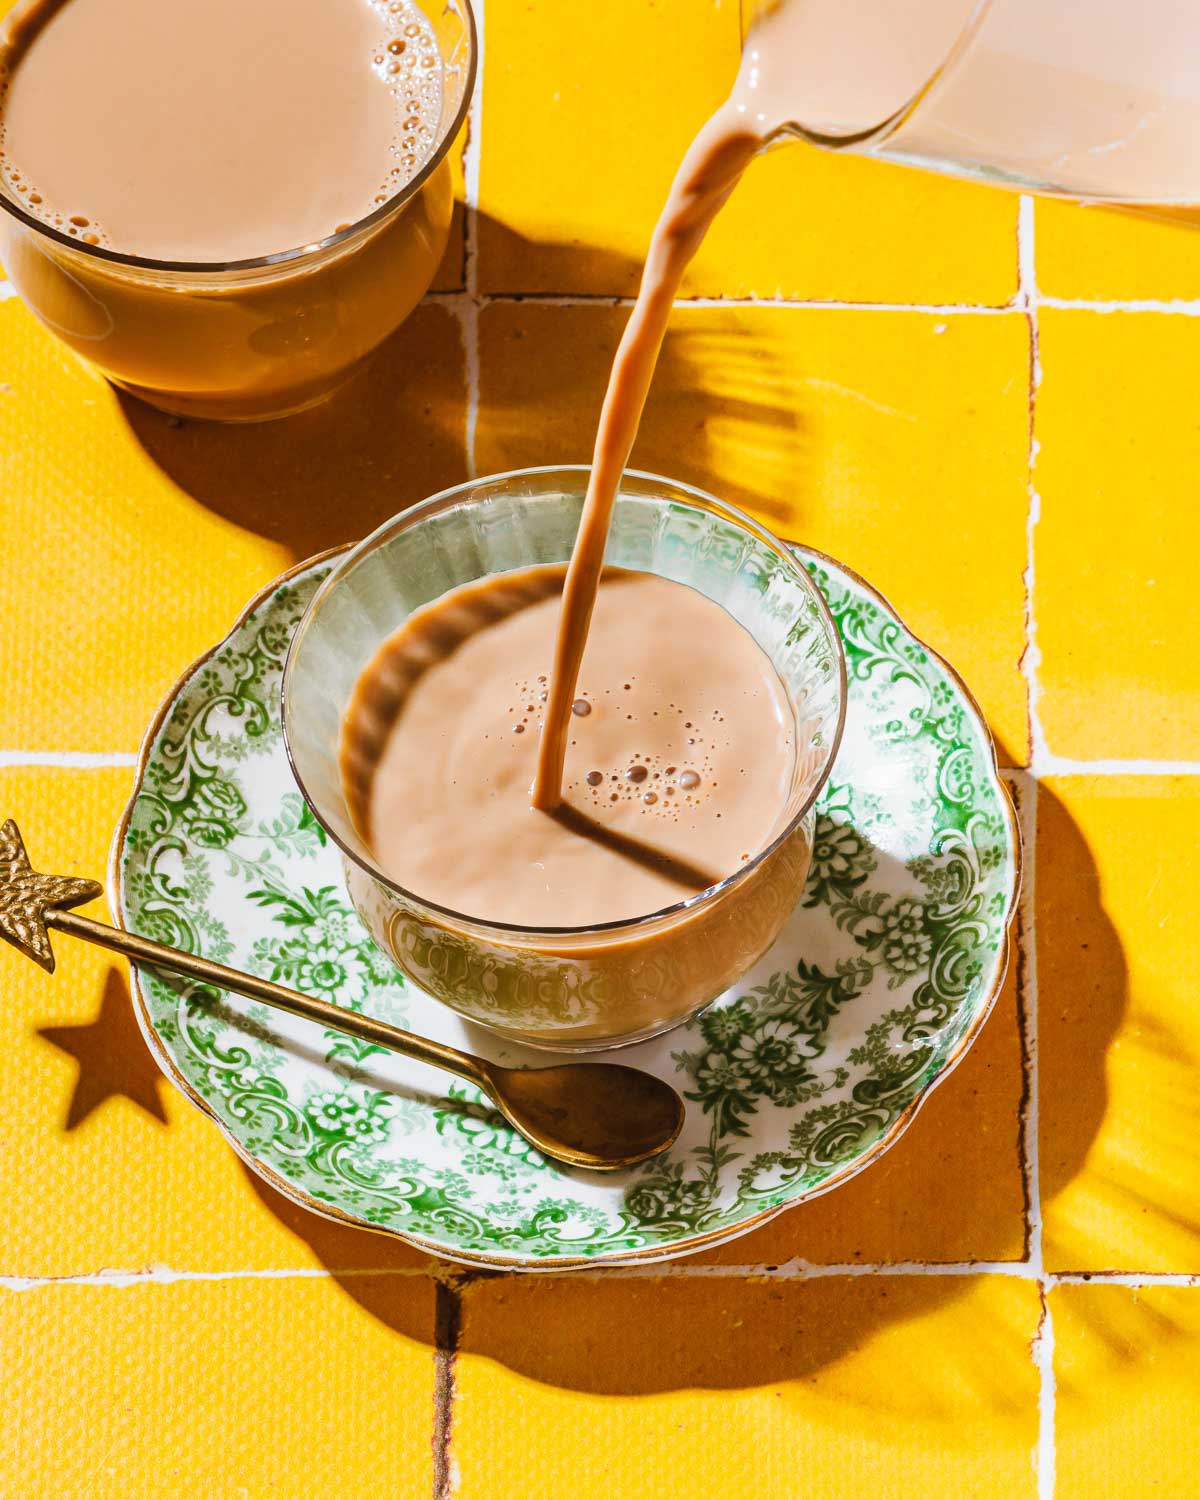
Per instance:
(794,1080)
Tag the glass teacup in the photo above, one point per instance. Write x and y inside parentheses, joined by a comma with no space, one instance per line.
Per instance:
(252,339)
(576,988)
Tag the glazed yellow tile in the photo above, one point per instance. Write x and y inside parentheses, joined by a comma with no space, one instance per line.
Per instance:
(716,1387)
(815,225)
(896,441)
(287,1388)
(1118,871)
(1107,254)
(1115,595)
(580,138)
(578,95)
(109,1167)
(951,1189)
(1127,1372)
(130,541)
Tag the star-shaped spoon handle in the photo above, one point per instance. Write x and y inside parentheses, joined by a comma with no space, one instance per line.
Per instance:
(601,1116)
(26,898)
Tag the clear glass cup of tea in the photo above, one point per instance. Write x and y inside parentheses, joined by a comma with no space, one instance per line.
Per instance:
(249,340)
(566,988)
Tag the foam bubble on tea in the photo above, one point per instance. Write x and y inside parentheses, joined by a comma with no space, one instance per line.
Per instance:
(214,130)
(678,768)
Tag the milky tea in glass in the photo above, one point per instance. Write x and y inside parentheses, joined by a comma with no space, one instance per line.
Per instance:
(226,207)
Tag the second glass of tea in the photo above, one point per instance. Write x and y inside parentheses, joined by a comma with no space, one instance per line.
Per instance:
(138,200)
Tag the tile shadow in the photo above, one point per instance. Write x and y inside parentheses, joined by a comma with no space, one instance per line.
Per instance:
(641,1337)
(392,435)
(1089,1005)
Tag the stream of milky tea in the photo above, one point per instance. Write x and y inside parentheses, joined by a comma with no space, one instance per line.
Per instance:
(710,170)
(759,103)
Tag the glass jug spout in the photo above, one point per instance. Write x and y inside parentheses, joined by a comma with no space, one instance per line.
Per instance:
(1099,102)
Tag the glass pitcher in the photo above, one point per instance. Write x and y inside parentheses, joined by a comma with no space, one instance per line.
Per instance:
(1088,99)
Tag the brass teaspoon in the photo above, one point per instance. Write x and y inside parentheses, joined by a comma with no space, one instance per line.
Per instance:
(602,1116)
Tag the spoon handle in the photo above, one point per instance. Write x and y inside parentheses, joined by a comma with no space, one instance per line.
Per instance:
(364,1028)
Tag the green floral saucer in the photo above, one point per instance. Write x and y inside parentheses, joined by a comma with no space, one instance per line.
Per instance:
(795,1080)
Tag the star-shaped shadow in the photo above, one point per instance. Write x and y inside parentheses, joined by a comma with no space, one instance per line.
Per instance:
(112,1057)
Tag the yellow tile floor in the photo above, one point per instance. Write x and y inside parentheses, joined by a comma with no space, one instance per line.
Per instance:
(983,404)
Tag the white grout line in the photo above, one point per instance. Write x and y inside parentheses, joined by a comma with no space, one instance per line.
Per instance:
(1042,1350)
(165,1276)
(937,309)
(1178,308)
(1017,774)
(1181,308)
(793,1270)
(1046,1454)
(799,1269)
(1049,764)
(86,760)
(469,322)
(568,299)
(1031,659)
(1134,1279)
(1029,1003)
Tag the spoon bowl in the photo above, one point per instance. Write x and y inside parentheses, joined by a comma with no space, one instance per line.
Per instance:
(603,1117)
